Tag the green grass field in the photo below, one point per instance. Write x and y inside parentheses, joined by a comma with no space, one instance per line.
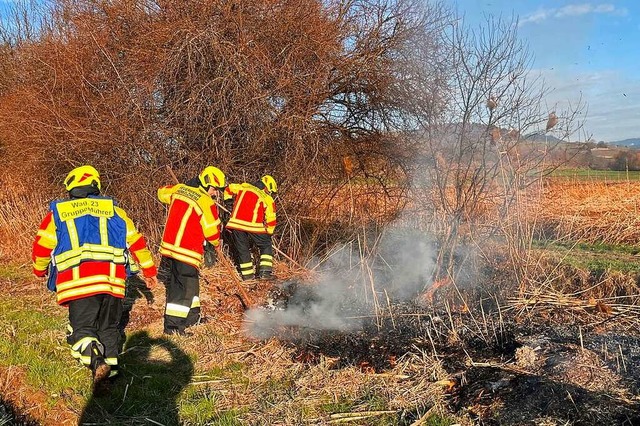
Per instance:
(211,378)
(595,258)
(596,175)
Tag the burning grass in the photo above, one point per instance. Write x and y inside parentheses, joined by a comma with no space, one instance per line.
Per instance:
(485,366)
(358,345)
(404,364)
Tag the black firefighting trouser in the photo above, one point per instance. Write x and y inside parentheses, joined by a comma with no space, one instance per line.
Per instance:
(93,328)
(183,295)
(242,241)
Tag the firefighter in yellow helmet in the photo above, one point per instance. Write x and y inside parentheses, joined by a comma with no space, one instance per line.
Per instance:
(253,221)
(192,221)
(84,244)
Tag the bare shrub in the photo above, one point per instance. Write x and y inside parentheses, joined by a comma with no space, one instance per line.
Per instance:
(286,88)
(479,154)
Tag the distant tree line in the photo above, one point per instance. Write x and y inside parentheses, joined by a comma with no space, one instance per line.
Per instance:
(626,160)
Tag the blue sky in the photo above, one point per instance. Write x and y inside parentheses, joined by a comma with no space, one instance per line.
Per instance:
(588,48)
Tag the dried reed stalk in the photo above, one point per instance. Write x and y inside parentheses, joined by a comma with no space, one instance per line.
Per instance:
(549,300)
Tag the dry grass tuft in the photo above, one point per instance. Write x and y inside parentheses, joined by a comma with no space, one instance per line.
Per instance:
(20,214)
(613,310)
(12,389)
(590,211)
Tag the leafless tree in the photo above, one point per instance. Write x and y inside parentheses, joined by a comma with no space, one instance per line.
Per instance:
(485,146)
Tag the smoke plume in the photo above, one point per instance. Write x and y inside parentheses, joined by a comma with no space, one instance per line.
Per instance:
(351,284)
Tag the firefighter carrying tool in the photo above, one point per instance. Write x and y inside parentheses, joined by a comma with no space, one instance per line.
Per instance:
(192,220)
(222,258)
(253,220)
(84,244)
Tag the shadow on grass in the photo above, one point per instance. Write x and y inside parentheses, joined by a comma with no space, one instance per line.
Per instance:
(154,371)
(135,289)
(10,416)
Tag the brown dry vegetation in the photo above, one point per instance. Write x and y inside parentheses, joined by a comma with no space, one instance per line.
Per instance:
(347,103)
(590,211)
(373,116)
(560,350)
(288,88)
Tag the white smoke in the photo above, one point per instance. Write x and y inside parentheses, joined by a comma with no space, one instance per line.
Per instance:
(396,268)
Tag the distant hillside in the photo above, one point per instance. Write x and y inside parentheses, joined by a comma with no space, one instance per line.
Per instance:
(630,143)
(541,137)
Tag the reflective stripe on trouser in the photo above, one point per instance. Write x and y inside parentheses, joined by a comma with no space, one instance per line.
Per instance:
(246,270)
(243,241)
(81,350)
(266,263)
(264,244)
(93,329)
(113,362)
(243,246)
(183,289)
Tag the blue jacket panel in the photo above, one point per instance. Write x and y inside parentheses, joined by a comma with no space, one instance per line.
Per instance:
(87,227)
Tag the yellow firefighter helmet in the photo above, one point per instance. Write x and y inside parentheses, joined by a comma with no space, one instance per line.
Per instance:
(82,176)
(270,183)
(212,176)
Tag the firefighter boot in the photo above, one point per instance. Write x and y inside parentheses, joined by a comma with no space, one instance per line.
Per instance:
(100,370)
(266,275)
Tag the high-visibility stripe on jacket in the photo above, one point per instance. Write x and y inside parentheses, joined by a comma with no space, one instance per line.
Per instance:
(85,243)
(193,217)
(253,209)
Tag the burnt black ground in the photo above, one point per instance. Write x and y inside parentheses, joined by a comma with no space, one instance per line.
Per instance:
(578,374)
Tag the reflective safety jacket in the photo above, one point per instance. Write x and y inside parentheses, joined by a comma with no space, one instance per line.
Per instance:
(193,217)
(253,209)
(84,244)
